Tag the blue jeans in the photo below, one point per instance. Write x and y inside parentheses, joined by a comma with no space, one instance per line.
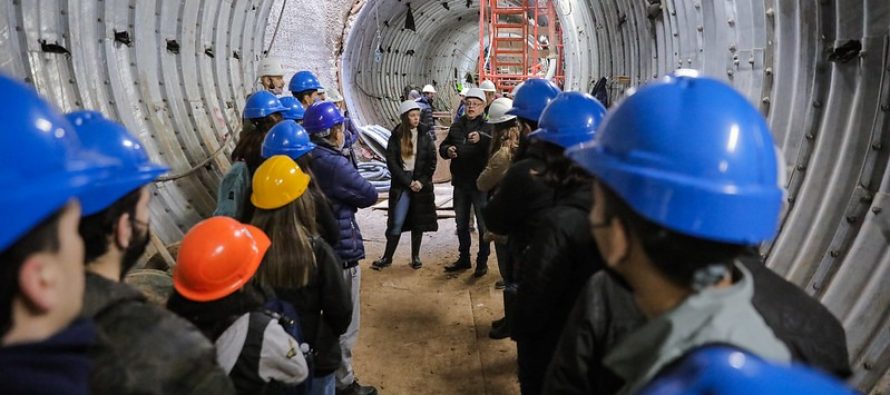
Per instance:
(400,213)
(323,385)
(464,200)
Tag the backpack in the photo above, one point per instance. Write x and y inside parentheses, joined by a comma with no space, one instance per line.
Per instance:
(287,316)
(234,192)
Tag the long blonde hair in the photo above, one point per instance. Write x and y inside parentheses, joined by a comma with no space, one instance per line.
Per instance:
(407,147)
(290,261)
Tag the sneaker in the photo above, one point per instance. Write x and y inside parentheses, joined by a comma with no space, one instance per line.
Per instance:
(381,263)
(357,389)
(460,264)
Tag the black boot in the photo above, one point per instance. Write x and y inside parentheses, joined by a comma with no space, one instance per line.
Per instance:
(416,239)
(462,263)
(391,243)
(481,267)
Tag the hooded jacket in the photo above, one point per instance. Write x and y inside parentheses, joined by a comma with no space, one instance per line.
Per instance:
(57,365)
(605,313)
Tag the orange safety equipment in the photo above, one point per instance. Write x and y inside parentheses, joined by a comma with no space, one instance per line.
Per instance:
(217,257)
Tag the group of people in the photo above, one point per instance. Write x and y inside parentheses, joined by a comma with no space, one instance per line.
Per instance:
(626,240)
(265,295)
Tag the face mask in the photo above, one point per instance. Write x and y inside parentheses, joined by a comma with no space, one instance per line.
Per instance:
(138,244)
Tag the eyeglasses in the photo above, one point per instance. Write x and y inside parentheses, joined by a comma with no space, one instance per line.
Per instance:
(474,105)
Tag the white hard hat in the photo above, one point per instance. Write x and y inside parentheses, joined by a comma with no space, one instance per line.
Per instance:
(429,89)
(497,113)
(333,95)
(476,93)
(463,92)
(488,86)
(271,67)
(408,105)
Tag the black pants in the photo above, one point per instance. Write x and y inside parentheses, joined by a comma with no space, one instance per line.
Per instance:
(534,356)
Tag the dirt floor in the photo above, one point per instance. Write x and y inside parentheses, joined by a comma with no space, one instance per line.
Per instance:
(424,331)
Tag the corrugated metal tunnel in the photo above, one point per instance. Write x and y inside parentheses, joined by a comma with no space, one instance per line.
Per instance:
(178,72)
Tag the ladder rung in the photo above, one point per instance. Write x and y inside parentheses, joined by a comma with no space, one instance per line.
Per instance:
(507,11)
(509,25)
(513,39)
(508,51)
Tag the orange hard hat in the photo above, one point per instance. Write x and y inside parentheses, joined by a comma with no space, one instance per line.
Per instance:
(217,257)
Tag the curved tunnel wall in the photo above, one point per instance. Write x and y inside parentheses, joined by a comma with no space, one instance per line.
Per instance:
(819,71)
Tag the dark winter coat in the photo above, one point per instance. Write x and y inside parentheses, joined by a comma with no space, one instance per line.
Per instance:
(515,209)
(145,349)
(327,225)
(471,158)
(605,313)
(57,365)
(347,191)
(426,114)
(325,308)
(422,210)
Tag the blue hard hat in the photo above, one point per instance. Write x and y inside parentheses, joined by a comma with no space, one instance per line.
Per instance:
(570,119)
(294,110)
(287,138)
(722,370)
(322,116)
(693,155)
(304,81)
(109,138)
(42,164)
(262,104)
(532,98)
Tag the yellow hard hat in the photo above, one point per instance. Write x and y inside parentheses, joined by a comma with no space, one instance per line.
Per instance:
(277,182)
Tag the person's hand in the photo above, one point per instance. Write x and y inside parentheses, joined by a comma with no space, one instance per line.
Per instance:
(473,137)
(452,152)
(416,186)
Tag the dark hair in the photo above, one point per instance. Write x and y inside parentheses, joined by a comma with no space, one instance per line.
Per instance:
(677,256)
(42,238)
(532,125)
(301,95)
(250,140)
(96,228)
(559,171)
(214,317)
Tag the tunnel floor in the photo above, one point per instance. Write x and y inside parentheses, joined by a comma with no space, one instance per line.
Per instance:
(424,331)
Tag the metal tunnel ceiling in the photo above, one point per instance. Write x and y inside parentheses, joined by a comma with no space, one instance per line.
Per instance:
(177,72)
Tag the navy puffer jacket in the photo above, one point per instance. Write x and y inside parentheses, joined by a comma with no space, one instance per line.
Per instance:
(347,191)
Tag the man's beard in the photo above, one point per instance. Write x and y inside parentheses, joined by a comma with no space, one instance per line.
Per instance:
(138,244)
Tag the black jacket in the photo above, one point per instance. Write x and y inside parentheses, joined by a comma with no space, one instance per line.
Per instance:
(558,262)
(471,158)
(145,349)
(422,211)
(57,365)
(605,312)
(515,208)
(325,307)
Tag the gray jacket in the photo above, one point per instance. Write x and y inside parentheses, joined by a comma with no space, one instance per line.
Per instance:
(144,349)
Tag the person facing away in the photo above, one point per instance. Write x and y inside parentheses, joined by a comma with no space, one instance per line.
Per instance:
(676,236)
(347,191)
(213,289)
(261,112)
(143,348)
(561,254)
(467,147)
(411,159)
(43,344)
(301,267)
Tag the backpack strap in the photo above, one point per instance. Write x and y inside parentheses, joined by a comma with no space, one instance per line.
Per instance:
(245,374)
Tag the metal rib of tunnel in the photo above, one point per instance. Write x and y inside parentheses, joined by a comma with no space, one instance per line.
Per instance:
(177,72)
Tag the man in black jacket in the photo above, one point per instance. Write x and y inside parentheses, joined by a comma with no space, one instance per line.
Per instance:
(605,313)
(467,146)
(143,348)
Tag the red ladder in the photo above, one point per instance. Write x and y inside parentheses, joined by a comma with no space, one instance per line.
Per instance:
(511,31)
